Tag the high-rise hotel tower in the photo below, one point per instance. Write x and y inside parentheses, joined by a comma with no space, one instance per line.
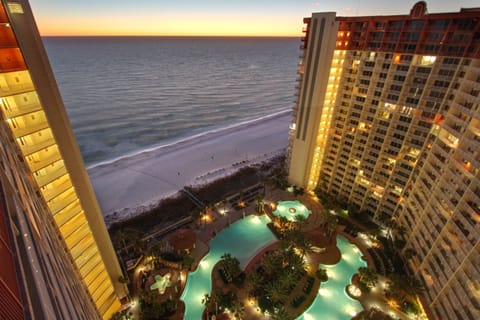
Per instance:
(51,225)
(388,120)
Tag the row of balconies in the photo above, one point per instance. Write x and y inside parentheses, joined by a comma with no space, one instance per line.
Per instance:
(28,124)
(42,159)
(56,188)
(36,141)
(50,173)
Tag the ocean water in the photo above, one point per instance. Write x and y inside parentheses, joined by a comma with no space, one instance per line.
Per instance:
(127,94)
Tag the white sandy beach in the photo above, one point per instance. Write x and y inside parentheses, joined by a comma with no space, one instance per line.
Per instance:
(131,184)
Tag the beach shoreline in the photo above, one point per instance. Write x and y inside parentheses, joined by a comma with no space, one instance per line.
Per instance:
(130,185)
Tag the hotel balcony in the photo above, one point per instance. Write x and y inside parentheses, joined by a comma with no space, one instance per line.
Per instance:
(96,274)
(87,267)
(11,60)
(67,213)
(21,104)
(7,38)
(28,145)
(15,83)
(62,200)
(56,187)
(48,174)
(25,125)
(464,107)
(42,159)
(86,256)
(468,96)
(81,247)
(72,225)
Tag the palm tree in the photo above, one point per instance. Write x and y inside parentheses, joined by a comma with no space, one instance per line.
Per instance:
(413,286)
(270,263)
(331,223)
(206,300)
(282,223)
(294,261)
(259,204)
(148,297)
(231,264)
(281,314)
(368,277)
(322,274)
(400,286)
(296,238)
(215,299)
(300,220)
(276,292)
(287,280)
(255,280)
(238,309)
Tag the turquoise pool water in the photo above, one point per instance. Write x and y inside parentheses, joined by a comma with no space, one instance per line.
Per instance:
(246,237)
(289,209)
(242,240)
(332,302)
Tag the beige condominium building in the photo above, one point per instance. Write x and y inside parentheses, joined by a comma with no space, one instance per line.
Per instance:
(33,111)
(387,119)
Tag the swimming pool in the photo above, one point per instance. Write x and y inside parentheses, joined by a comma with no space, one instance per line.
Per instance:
(246,237)
(332,302)
(242,240)
(289,209)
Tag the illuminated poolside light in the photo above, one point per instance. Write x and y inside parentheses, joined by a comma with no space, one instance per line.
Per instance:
(354,291)
(324,292)
(331,274)
(346,256)
(256,220)
(307,316)
(204,263)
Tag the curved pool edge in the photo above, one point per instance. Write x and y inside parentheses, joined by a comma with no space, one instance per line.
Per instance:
(206,287)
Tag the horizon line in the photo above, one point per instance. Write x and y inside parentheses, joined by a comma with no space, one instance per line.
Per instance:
(172,36)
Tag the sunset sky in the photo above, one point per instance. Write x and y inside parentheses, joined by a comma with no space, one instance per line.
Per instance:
(207,17)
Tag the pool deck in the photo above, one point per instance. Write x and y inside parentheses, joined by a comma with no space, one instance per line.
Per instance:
(207,229)
(316,234)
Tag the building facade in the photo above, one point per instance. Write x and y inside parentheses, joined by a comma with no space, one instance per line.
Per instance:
(388,120)
(38,278)
(33,111)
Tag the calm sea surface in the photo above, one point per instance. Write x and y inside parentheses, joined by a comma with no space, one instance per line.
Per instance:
(126,94)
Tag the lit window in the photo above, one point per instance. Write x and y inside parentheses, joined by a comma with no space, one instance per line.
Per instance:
(15,7)
(426,60)
(396,58)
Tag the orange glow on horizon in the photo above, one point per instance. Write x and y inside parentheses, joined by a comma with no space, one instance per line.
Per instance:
(204,25)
